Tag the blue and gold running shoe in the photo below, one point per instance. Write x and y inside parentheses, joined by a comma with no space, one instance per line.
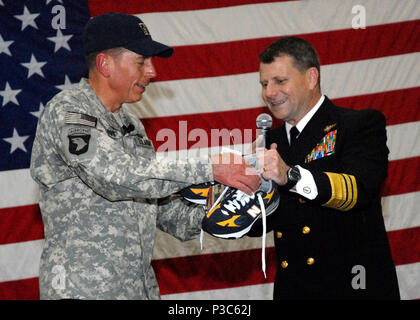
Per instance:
(197,193)
(234,213)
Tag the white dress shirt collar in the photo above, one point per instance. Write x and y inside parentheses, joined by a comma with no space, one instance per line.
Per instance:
(304,121)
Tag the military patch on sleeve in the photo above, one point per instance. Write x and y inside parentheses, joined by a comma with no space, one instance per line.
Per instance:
(80,118)
(78,140)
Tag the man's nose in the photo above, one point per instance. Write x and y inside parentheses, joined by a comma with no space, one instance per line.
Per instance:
(150,69)
(270,91)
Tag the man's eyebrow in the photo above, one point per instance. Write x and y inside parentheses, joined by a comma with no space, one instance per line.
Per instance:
(141,57)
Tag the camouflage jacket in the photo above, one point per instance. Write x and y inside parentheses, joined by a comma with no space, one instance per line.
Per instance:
(102,195)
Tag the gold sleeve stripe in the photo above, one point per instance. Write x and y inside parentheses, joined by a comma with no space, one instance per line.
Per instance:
(343,191)
(351,182)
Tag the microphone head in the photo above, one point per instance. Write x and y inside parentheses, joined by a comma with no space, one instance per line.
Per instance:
(264,121)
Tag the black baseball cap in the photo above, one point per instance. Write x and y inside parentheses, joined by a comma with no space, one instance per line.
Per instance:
(112,30)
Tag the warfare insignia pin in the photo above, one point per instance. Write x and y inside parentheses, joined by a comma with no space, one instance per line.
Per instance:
(328,128)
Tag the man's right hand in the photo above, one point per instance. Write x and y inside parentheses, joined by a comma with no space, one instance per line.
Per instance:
(232,170)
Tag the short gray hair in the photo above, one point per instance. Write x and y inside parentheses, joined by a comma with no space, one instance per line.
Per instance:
(114,52)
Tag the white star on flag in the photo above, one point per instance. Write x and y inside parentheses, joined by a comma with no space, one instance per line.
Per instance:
(61,41)
(27,18)
(39,112)
(9,95)
(34,67)
(67,84)
(4,46)
(16,141)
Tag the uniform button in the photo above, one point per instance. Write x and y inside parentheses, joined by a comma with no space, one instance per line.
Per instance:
(310,261)
(279,234)
(302,201)
(306,230)
(284,264)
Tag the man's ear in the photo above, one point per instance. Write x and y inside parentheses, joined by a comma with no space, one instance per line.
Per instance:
(103,64)
(313,77)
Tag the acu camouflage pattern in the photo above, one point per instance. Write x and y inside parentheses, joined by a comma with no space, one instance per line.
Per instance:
(101,206)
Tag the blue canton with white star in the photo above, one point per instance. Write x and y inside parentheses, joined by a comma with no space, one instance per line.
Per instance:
(40,54)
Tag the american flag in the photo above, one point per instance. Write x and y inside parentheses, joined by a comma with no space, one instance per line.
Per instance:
(369,52)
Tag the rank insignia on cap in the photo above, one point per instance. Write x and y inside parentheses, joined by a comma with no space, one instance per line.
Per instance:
(144,28)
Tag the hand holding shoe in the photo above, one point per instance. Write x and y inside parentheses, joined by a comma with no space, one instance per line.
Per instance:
(232,170)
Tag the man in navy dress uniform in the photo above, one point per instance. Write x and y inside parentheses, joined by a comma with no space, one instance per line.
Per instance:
(330,163)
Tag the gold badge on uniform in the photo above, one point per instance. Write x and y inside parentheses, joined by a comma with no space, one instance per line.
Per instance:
(328,128)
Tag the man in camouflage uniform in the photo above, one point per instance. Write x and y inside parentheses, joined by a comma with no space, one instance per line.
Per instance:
(103,192)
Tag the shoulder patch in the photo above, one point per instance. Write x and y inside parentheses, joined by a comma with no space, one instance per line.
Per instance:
(80,118)
(78,140)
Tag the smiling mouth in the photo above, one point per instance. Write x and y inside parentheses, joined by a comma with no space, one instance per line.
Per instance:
(276,103)
(141,86)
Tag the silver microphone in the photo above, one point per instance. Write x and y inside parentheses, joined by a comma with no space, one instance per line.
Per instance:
(264,122)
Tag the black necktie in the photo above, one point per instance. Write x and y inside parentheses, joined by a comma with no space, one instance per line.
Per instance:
(294,132)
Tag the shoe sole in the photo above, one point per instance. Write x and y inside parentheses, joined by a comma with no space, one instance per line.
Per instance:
(197,201)
(241,233)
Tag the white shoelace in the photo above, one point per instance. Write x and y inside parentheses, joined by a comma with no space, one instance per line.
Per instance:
(264,235)
(241,199)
